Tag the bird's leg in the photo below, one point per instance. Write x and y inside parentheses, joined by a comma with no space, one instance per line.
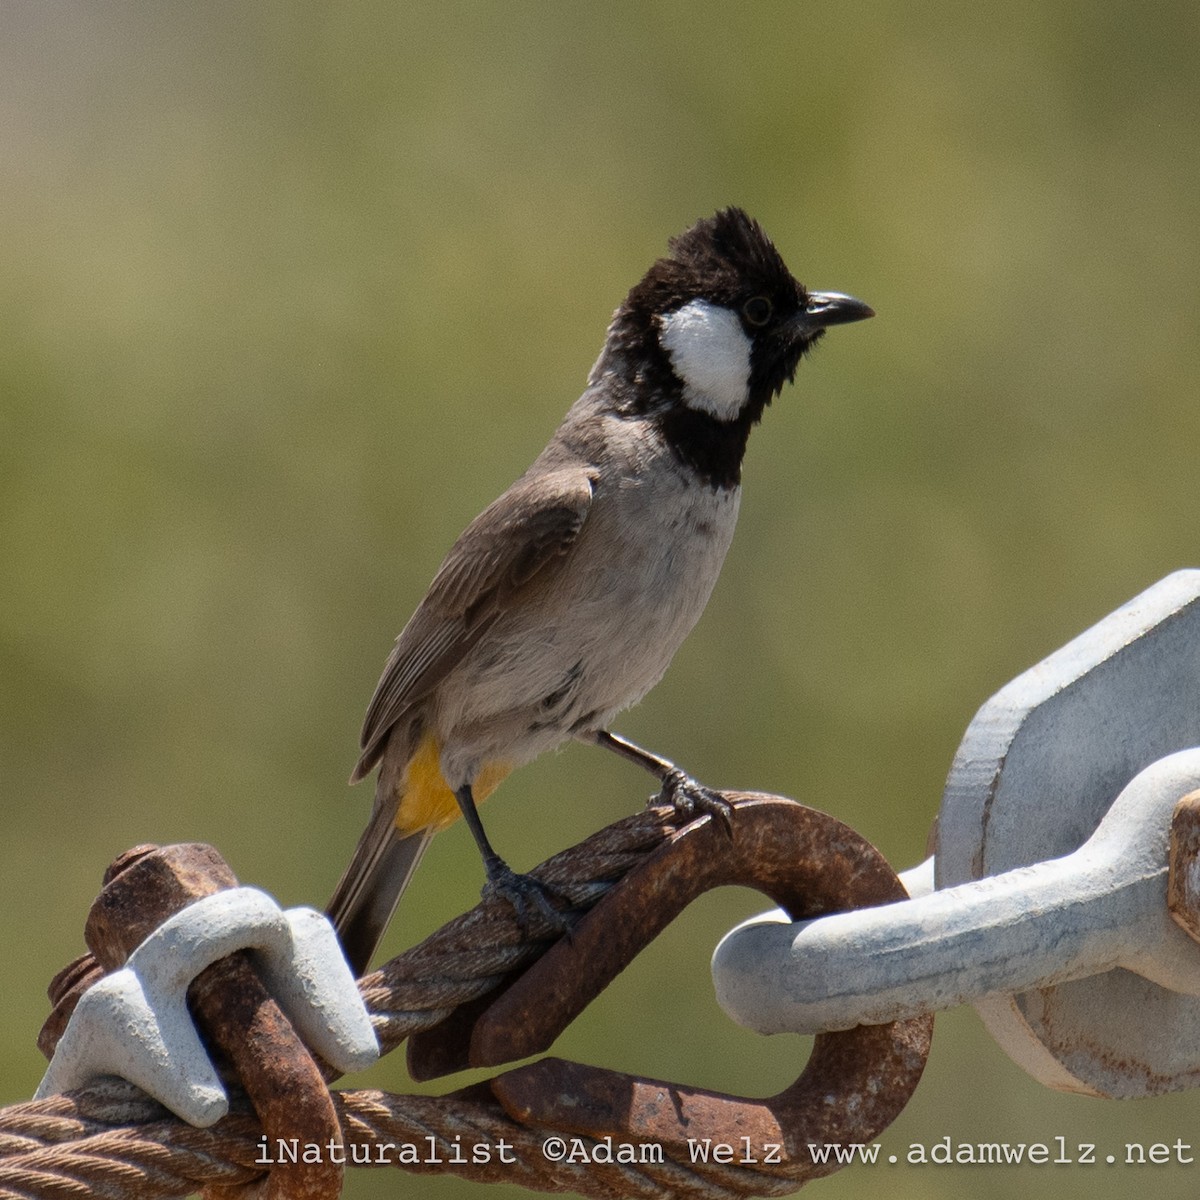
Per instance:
(688,797)
(519,890)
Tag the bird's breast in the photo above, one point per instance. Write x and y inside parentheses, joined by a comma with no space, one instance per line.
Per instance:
(595,633)
(637,582)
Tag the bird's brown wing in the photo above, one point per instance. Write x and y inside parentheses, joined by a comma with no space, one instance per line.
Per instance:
(529,528)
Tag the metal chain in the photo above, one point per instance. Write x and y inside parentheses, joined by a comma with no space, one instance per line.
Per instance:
(111,1141)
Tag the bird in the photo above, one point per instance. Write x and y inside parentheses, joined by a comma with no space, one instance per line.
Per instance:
(564,601)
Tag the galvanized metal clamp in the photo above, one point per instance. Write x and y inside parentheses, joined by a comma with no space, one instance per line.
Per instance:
(172,934)
(1064,890)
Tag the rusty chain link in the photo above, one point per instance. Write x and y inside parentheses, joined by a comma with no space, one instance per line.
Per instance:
(481,991)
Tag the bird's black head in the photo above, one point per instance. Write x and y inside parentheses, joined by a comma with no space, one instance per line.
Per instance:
(711,333)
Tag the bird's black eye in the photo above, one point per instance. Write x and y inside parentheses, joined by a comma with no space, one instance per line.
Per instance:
(757,310)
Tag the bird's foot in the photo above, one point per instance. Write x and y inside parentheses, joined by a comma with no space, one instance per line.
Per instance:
(527,896)
(691,799)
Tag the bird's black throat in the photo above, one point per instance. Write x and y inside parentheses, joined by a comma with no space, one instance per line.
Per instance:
(712,449)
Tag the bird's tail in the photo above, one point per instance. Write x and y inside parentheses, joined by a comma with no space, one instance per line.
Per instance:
(412,802)
(367,893)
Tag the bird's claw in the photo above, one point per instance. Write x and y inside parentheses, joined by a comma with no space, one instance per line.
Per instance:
(526,895)
(691,799)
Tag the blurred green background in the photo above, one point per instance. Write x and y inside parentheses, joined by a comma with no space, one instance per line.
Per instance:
(289,292)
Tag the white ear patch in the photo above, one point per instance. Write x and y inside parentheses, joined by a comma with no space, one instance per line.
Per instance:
(710,353)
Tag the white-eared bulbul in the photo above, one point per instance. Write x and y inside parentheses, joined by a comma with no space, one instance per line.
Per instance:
(564,601)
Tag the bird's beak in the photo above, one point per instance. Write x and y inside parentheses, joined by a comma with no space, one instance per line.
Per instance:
(832,308)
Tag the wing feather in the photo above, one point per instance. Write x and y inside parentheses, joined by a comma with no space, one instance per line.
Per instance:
(525,532)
